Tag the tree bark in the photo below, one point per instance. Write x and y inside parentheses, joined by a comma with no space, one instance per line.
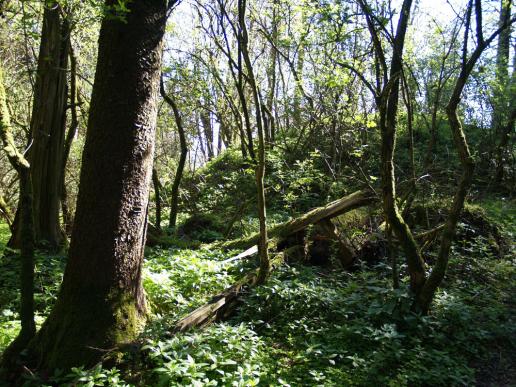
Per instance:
(101,303)
(157,197)
(48,128)
(26,224)
(75,101)
(500,98)
(506,127)
(388,107)
(208,132)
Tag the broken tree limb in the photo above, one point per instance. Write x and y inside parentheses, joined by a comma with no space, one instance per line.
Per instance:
(248,253)
(331,210)
(224,303)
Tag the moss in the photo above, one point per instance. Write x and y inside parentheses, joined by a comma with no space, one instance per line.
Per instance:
(5,234)
(84,328)
(129,319)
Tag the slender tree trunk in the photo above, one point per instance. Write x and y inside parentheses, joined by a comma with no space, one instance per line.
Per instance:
(500,100)
(388,113)
(429,289)
(208,132)
(504,127)
(26,224)
(101,303)
(5,212)
(271,75)
(260,168)
(157,186)
(48,127)
(174,204)
(75,101)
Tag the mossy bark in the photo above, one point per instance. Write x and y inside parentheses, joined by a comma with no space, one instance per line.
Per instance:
(283,230)
(388,109)
(425,297)
(263,252)
(101,303)
(22,167)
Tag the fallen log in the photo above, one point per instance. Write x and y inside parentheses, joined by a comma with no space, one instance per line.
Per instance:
(331,210)
(222,304)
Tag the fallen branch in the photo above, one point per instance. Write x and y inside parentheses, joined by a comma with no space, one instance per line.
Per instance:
(248,253)
(331,210)
(224,303)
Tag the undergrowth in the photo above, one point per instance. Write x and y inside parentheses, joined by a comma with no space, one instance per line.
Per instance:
(308,325)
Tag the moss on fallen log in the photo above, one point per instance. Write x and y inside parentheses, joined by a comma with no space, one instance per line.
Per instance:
(331,210)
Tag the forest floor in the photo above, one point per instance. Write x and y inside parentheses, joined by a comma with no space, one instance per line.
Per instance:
(309,325)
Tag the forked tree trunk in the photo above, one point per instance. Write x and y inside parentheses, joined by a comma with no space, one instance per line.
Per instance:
(388,107)
(425,297)
(101,302)
(48,128)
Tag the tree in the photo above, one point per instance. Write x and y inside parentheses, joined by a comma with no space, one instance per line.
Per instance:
(425,296)
(387,98)
(504,107)
(260,167)
(47,127)
(174,201)
(101,303)
(22,167)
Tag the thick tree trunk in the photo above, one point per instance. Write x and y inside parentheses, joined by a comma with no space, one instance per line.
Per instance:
(48,128)
(102,303)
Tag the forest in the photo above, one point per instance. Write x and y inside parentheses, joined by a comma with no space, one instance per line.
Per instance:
(257,193)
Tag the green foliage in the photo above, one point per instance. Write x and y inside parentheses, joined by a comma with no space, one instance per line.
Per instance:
(309,325)
(226,186)
(5,234)
(178,281)
(79,376)
(48,275)
(203,227)
(220,355)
